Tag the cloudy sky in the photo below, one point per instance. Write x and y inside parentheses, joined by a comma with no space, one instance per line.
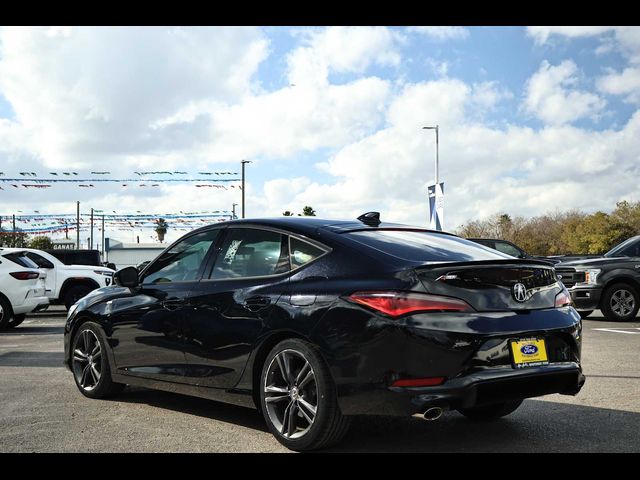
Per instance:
(531,119)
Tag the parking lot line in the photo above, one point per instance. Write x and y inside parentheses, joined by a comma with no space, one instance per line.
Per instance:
(620,330)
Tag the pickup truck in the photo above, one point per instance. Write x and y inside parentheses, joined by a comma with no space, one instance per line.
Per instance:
(509,248)
(610,283)
(67,284)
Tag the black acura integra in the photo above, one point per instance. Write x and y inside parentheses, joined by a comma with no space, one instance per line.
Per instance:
(312,321)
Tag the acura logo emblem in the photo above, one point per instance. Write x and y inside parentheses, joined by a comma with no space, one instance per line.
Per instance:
(519,292)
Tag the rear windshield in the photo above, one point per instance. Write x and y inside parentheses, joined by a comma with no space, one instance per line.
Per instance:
(21,259)
(426,247)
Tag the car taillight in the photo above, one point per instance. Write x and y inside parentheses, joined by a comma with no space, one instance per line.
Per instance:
(419,382)
(396,304)
(563,299)
(24,275)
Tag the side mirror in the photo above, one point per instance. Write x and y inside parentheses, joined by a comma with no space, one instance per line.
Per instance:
(127,277)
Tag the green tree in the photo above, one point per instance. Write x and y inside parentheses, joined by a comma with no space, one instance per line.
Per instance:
(308,211)
(161,229)
(287,213)
(11,239)
(41,243)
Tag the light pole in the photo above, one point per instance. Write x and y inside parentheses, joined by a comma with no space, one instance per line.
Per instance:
(437,159)
(243,162)
(436,200)
(233,213)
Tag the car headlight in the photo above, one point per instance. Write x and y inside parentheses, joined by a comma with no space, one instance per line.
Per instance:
(591,276)
(72,309)
(105,273)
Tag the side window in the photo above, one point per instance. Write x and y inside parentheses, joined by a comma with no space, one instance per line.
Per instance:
(182,262)
(303,252)
(632,250)
(508,249)
(249,252)
(39,260)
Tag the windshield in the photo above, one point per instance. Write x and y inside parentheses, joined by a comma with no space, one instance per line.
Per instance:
(626,248)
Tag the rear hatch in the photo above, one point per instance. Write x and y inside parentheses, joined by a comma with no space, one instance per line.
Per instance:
(494,285)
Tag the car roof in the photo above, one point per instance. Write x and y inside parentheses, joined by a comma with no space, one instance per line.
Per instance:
(311,225)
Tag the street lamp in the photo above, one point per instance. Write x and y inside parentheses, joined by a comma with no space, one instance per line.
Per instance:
(243,162)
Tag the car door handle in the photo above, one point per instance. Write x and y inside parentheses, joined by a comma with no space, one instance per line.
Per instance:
(172,305)
(253,304)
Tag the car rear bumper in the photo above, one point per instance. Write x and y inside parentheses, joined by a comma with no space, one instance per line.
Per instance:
(475,389)
(31,304)
(367,353)
(586,298)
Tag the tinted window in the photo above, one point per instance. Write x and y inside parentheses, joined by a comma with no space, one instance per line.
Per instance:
(181,262)
(303,252)
(632,250)
(248,252)
(39,260)
(508,249)
(425,247)
(21,259)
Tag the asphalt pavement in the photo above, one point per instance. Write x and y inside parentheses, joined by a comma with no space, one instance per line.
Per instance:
(42,410)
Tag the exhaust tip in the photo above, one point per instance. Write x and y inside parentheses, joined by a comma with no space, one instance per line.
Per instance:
(433,413)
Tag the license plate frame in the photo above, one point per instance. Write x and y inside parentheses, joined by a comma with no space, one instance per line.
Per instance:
(528,352)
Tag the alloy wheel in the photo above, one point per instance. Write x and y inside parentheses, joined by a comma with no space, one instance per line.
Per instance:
(622,302)
(87,360)
(291,394)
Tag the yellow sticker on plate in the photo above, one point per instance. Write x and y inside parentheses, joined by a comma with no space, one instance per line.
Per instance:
(529,352)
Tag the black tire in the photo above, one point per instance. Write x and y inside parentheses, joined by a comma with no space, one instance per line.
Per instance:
(105,387)
(6,314)
(328,425)
(16,320)
(623,296)
(75,293)
(491,412)
(585,313)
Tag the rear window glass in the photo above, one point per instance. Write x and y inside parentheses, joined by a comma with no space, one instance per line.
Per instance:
(20,259)
(425,246)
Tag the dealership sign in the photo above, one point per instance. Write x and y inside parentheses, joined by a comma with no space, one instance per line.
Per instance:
(436,206)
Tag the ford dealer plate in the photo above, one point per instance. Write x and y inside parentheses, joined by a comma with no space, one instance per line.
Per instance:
(529,352)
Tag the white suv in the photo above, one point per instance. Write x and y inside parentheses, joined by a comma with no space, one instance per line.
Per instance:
(67,283)
(22,288)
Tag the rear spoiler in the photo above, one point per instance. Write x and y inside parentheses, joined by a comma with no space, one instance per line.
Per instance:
(516,262)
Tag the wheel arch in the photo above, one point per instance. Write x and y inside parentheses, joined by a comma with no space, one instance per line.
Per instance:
(6,299)
(78,322)
(75,281)
(261,352)
(625,278)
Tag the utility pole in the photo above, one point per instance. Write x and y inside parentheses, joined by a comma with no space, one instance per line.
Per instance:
(91,244)
(243,162)
(233,213)
(103,237)
(78,225)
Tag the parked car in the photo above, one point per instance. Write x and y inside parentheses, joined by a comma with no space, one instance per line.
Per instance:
(313,321)
(510,248)
(22,288)
(66,284)
(610,283)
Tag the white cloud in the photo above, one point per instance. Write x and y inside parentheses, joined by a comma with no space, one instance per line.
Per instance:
(625,83)
(88,94)
(551,96)
(441,33)
(626,39)
(542,34)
